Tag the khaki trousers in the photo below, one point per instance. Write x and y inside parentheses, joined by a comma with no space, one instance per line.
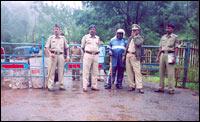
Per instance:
(90,63)
(58,61)
(133,67)
(166,68)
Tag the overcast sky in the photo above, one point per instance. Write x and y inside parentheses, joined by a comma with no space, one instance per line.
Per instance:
(74,4)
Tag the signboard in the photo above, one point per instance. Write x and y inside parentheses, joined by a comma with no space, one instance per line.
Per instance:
(12,65)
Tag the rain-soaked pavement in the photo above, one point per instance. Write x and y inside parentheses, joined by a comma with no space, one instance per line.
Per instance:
(121,105)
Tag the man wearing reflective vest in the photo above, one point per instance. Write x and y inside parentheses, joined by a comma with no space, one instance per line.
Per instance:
(117,48)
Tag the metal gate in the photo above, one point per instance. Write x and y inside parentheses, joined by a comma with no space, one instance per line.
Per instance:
(188,57)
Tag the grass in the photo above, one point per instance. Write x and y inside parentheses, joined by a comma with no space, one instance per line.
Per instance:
(192,86)
(156,79)
(193,77)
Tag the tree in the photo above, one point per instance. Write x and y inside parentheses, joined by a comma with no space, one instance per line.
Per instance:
(151,15)
(38,18)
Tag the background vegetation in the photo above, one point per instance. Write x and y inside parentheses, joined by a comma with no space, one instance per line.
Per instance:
(28,22)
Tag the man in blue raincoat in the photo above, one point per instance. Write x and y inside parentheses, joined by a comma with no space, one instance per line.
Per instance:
(117,46)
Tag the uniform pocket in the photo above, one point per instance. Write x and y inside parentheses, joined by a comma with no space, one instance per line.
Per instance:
(171,43)
(61,46)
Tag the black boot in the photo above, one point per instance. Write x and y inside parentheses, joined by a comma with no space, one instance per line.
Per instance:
(107,86)
(141,91)
(119,86)
(131,89)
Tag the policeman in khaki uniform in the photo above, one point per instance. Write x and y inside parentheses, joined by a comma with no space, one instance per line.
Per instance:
(55,46)
(75,52)
(90,45)
(166,59)
(133,55)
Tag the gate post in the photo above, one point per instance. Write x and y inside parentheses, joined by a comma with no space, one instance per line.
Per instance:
(186,64)
(43,71)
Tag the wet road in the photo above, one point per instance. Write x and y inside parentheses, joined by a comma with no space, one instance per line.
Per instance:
(73,104)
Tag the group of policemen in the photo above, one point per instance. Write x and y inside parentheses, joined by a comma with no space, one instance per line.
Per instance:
(124,54)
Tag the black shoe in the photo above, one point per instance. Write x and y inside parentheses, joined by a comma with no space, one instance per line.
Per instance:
(171,92)
(107,86)
(119,87)
(101,80)
(141,91)
(131,89)
(62,88)
(159,90)
(94,89)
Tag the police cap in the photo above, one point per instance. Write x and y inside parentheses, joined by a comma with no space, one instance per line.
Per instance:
(92,26)
(135,27)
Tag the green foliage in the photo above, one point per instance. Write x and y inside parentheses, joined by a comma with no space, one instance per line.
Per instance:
(151,15)
(151,37)
(192,86)
(153,79)
(37,19)
(193,74)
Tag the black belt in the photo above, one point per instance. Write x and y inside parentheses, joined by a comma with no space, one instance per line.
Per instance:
(167,51)
(131,52)
(57,53)
(92,53)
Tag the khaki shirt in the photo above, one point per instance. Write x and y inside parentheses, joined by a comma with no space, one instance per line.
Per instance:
(75,53)
(168,43)
(56,44)
(90,43)
(136,40)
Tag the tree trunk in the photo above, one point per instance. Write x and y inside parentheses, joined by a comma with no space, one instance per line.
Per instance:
(137,13)
(128,21)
